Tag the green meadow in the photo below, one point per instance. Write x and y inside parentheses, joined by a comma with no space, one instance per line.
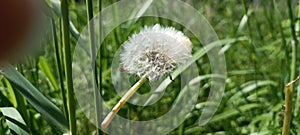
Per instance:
(259,39)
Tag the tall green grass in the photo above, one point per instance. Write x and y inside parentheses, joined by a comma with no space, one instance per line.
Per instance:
(259,38)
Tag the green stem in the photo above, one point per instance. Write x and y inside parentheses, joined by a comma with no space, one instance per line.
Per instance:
(117,35)
(59,67)
(292,24)
(294,41)
(268,17)
(118,106)
(298,21)
(297,106)
(288,107)
(253,47)
(20,102)
(181,129)
(248,21)
(101,63)
(293,62)
(68,66)
(89,6)
(286,64)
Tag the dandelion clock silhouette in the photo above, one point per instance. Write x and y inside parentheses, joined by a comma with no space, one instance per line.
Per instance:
(17,17)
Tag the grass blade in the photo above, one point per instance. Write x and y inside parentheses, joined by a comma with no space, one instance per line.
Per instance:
(14,121)
(45,68)
(68,66)
(233,112)
(51,112)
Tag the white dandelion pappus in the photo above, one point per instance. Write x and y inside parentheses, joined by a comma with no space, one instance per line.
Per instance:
(155,51)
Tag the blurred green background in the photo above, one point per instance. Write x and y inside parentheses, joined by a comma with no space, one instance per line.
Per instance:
(259,40)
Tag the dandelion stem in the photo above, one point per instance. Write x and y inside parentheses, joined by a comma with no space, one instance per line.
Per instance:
(118,106)
(288,106)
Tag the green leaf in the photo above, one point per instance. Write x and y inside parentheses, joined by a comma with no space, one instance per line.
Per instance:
(249,88)
(242,24)
(56,8)
(51,112)
(12,96)
(14,121)
(43,65)
(233,112)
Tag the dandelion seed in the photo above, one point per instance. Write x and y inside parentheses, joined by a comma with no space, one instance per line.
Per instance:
(155,51)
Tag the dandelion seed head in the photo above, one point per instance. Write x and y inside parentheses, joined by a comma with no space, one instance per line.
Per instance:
(155,51)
